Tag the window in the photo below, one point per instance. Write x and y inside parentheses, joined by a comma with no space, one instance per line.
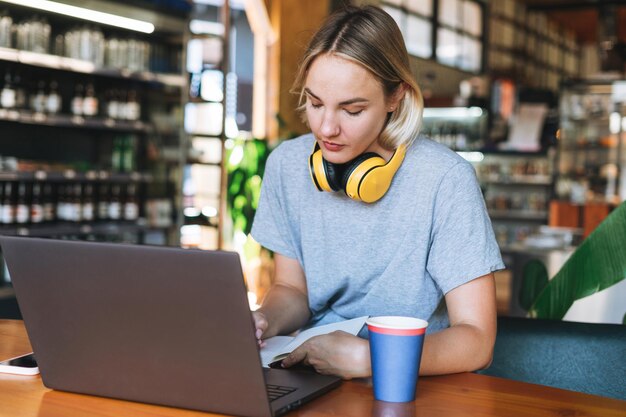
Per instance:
(461,30)
(457,27)
(418,36)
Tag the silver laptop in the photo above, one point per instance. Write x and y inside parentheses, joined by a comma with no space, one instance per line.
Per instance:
(152,324)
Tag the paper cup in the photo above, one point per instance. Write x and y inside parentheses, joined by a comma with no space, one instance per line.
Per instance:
(395,352)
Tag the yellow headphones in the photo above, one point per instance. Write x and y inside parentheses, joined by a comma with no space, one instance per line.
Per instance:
(365,178)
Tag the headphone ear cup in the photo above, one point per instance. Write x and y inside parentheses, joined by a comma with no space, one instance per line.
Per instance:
(352,166)
(325,175)
(334,174)
(317,169)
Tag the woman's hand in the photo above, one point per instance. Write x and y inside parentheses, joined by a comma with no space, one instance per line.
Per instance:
(260,324)
(285,307)
(337,353)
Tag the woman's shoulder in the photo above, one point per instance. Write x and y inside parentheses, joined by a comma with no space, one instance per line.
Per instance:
(426,152)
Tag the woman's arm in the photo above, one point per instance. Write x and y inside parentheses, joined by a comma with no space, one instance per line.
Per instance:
(286,305)
(466,345)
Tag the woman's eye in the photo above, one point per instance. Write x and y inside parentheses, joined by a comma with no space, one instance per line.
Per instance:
(354,113)
(316,105)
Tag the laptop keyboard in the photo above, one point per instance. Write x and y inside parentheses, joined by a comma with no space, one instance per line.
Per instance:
(277,391)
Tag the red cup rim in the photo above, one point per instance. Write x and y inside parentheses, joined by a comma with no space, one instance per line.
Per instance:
(397,322)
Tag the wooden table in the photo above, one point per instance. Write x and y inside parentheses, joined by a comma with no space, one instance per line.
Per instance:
(453,395)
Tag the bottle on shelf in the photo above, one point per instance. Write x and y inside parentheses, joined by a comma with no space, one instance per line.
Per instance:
(117,154)
(53,101)
(1,200)
(20,92)
(88,212)
(103,201)
(7,95)
(6,29)
(59,45)
(132,107)
(37,204)
(9,204)
(64,195)
(90,101)
(49,206)
(128,153)
(131,205)
(76,203)
(22,211)
(112,104)
(115,203)
(77,100)
(121,104)
(59,202)
(39,99)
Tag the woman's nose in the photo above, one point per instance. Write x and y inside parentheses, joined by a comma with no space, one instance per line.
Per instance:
(330,126)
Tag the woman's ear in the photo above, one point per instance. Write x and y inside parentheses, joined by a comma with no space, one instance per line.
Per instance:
(397,96)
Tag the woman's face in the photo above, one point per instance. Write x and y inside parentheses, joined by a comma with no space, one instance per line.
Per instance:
(346,108)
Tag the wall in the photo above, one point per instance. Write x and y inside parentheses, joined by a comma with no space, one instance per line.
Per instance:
(293,22)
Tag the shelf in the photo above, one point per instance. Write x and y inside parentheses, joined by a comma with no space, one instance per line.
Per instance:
(198,162)
(599,119)
(66,228)
(592,177)
(72,175)
(200,220)
(65,121)
(522,181)
(6,291)
(596,148)
(85,67)
(518,214)
(498,152)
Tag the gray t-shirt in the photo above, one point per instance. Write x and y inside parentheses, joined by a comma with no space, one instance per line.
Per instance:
(398,256)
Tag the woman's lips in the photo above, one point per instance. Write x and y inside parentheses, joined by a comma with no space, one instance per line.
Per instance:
(332,147)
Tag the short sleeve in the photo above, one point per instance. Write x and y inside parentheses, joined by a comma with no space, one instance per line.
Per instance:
(463,245)
(270,227)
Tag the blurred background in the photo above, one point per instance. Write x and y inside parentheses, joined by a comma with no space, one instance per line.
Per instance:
(151,121)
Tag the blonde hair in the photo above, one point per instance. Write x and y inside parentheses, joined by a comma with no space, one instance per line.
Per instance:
(370,37)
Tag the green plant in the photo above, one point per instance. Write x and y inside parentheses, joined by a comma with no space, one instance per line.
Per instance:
(598,263)
(535,279)
(245,167)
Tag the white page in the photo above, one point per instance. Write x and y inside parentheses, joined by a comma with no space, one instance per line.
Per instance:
(525,131)
(273,346)
(282,345)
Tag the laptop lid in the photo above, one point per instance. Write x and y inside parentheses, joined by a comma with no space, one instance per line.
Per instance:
(152,324)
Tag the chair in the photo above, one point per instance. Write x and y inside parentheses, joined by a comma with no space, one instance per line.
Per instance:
(584,357)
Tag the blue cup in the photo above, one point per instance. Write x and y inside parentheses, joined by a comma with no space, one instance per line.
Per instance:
(395,352)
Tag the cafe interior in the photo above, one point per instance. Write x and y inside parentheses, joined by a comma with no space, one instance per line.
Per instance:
(154,129)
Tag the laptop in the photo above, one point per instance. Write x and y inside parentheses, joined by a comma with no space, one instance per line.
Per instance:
(158,325)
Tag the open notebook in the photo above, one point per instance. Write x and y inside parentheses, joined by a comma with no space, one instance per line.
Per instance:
(278,347)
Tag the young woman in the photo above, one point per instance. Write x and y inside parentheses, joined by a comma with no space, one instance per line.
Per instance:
(400,227)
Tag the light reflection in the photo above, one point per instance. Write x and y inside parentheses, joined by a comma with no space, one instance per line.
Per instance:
(453,112)
(86,14)
(472,156)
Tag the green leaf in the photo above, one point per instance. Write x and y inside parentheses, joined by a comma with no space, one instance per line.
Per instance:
(598,263)
(535,279)
(244,181)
